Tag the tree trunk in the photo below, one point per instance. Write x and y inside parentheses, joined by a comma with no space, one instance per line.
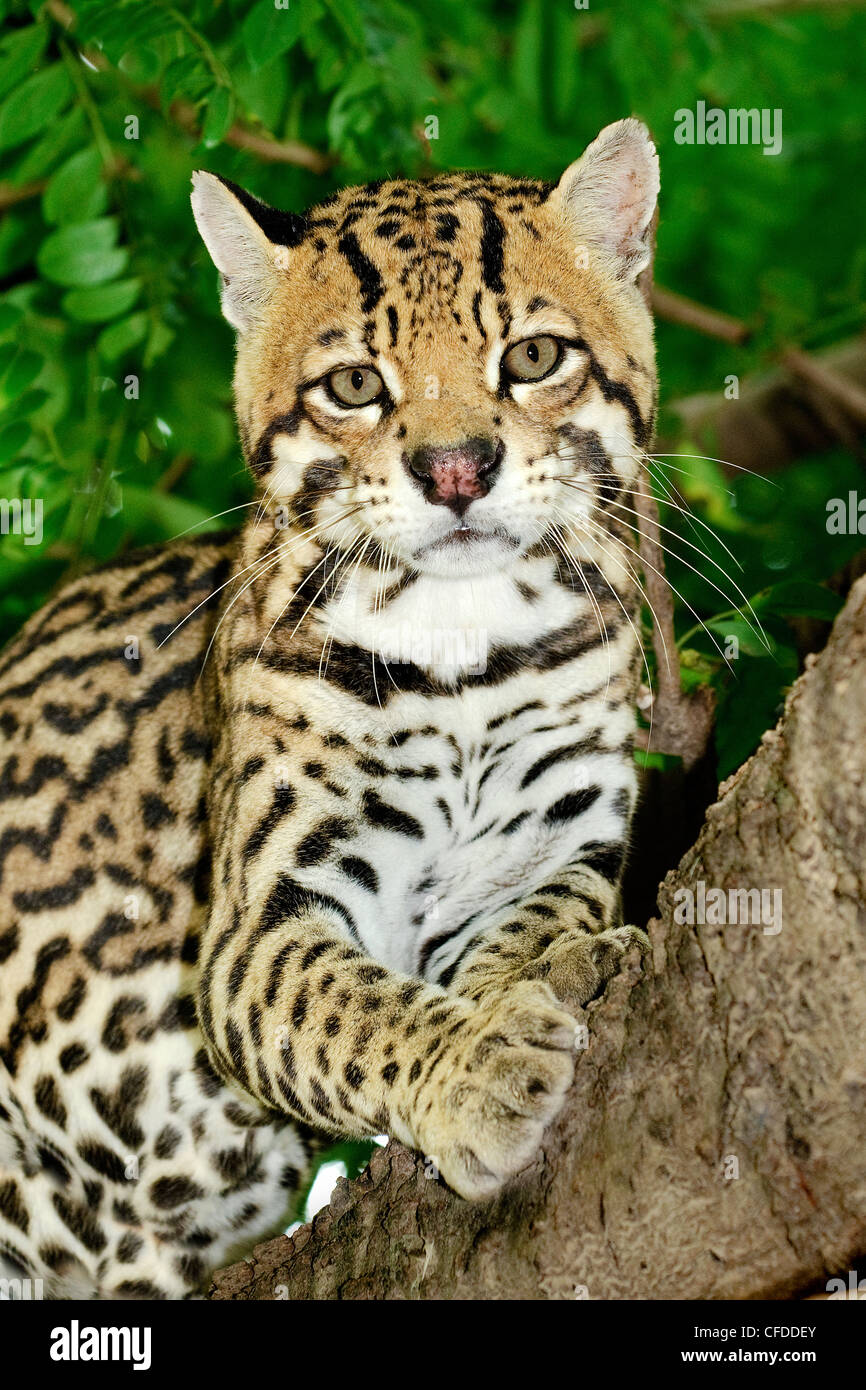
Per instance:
(713,1143)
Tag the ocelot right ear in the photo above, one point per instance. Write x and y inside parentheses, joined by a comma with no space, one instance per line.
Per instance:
(608,197)
(248,243)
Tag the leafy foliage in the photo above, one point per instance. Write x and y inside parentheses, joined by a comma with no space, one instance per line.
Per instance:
(115,366)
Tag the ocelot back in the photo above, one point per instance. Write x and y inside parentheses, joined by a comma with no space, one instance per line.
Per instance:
(316,829)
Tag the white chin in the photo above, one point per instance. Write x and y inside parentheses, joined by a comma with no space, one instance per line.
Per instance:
(460,557)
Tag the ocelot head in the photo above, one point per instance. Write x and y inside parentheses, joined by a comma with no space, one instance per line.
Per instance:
(445,372)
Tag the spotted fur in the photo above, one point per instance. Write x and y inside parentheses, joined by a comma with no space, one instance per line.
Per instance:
(317,829)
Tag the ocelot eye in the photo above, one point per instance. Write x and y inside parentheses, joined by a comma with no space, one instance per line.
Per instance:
(532,359)
(356,385)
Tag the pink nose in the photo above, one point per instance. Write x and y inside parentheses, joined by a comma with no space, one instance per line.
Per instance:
(455,475)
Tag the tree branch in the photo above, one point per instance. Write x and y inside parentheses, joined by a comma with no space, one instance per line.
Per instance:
(10,194)
(712,1144)
(676,308)
(266,147)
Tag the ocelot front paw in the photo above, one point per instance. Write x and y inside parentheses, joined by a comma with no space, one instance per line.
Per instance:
(578,964)
(483,1113)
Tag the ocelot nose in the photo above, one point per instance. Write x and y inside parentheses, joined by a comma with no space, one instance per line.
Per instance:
(453,475)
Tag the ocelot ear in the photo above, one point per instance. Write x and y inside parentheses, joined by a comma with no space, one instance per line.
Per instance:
(609,195)
(232,224)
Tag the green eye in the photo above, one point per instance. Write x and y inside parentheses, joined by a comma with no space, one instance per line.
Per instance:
(356,385)
(532,359)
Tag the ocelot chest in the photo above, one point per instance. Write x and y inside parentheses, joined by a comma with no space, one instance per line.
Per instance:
(467,801)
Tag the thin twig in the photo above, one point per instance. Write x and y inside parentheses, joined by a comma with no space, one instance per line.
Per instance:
(185,114)
(10,195)
(658,592)
(277,151)
(179,465)
(676,308)
(681,724)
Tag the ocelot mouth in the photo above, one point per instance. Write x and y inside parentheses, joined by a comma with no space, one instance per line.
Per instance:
(464,535)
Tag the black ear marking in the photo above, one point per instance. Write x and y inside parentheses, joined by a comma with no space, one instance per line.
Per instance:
(282,228)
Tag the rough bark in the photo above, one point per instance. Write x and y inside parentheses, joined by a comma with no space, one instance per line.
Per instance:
(727,1044)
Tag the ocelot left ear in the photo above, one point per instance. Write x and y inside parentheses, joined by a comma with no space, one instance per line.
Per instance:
(248,243)
(609,195)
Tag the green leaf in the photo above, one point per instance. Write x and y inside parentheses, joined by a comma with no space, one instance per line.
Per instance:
(664,762)
(141,65)
(10,317)
(26,406)
(12,441)
(220,113)
(99,303)
(701,481)
(76,192)
(113,501)
(16,241)
(23,370)
(799,598)
(62,135)
(121,337)
(750,704)
(745,631)
(171,513)
(160,340)
(355,107)
(124,28)
(37,101)
(269,32)
(19,53)
(187,78)
(350,18)
(83,253)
